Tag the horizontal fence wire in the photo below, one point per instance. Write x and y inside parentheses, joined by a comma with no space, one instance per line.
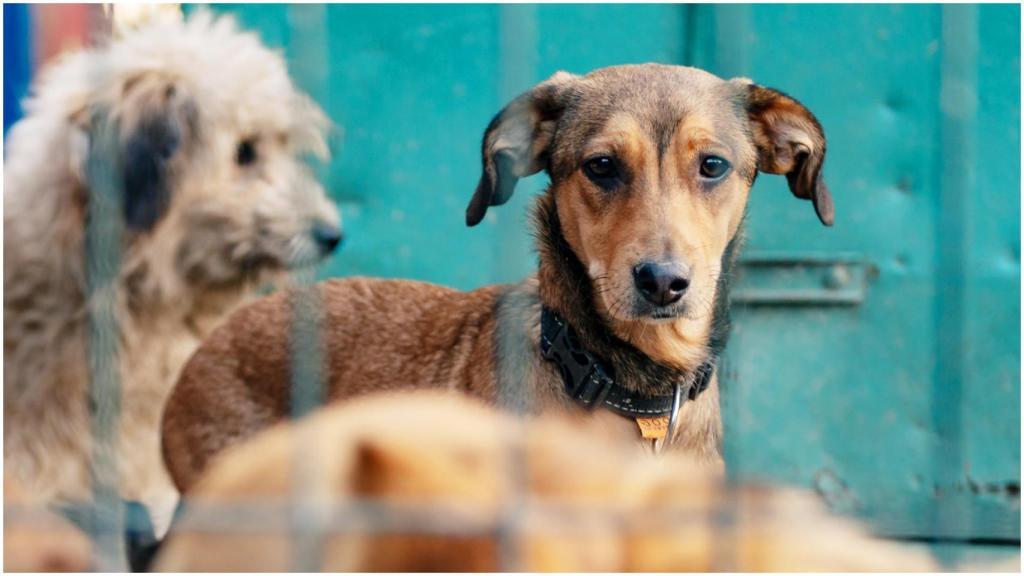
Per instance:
(453,517)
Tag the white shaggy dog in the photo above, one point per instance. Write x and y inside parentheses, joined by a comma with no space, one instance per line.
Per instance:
(209,138)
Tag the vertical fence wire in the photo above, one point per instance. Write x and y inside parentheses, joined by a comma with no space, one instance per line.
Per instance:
(309,509)
(958,98)
(518,63)
(103,232)
(518,66)
(307,495)
(515,396)
(731,31)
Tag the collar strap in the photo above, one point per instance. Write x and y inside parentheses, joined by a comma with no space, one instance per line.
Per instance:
(590,383)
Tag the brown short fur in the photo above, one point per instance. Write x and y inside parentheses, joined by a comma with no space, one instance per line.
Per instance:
(571,499)
(658,123)
(167,108)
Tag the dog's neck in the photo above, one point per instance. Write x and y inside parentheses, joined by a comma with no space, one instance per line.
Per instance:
(153,301)
(566,288)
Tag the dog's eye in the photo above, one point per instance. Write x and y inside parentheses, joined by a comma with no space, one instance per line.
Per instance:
(714,167)
(602,170)
(246,153)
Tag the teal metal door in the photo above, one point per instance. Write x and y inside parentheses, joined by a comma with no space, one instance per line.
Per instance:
(877,361)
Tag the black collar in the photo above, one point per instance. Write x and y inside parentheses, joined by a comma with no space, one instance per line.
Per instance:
(590,383)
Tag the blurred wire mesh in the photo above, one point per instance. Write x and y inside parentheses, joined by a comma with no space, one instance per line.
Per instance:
(305,516)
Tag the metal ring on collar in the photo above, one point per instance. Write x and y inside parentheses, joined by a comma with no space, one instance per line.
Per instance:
(673,420)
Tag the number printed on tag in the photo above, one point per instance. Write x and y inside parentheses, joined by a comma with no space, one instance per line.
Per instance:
(653,427)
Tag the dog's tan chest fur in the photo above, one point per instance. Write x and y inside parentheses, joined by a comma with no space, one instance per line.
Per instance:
(151,367)
(48,429)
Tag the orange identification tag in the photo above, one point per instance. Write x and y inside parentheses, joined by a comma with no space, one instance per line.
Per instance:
(653,428)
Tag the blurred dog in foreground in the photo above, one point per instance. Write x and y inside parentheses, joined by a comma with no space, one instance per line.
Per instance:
(423,481)
(36,539)
(202,136)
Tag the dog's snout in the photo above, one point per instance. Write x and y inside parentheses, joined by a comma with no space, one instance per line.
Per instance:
(661,284)
(327,237)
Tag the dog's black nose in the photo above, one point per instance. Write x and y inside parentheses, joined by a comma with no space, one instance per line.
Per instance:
(327,237)
(661,284)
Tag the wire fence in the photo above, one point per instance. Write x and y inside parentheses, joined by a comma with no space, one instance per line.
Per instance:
(104,231)
(310,514)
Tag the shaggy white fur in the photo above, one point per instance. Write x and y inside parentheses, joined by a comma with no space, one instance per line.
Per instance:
(218,202)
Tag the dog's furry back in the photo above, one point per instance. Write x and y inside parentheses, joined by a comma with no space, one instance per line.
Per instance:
(203,230)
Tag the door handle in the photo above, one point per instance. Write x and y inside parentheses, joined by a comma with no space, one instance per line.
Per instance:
(810,279)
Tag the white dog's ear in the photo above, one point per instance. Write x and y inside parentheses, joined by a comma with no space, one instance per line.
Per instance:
(517,142)
(310,127)
(136,139)
(155,129)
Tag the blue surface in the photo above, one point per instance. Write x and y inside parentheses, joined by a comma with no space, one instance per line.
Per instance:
(17,60)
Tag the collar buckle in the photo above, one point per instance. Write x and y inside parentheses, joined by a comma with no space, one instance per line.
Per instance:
(593,389)
(586,381)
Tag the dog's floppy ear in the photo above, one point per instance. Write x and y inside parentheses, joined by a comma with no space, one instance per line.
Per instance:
(790,141)
(311,126)
(516,143)
(155,120)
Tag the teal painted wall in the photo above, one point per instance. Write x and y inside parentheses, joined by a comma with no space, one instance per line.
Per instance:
(878,361)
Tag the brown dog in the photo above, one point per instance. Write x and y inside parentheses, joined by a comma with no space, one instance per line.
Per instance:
(650,170)
(420,481)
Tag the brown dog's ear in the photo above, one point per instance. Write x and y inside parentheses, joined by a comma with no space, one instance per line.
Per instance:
(516,143)
(790,141)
